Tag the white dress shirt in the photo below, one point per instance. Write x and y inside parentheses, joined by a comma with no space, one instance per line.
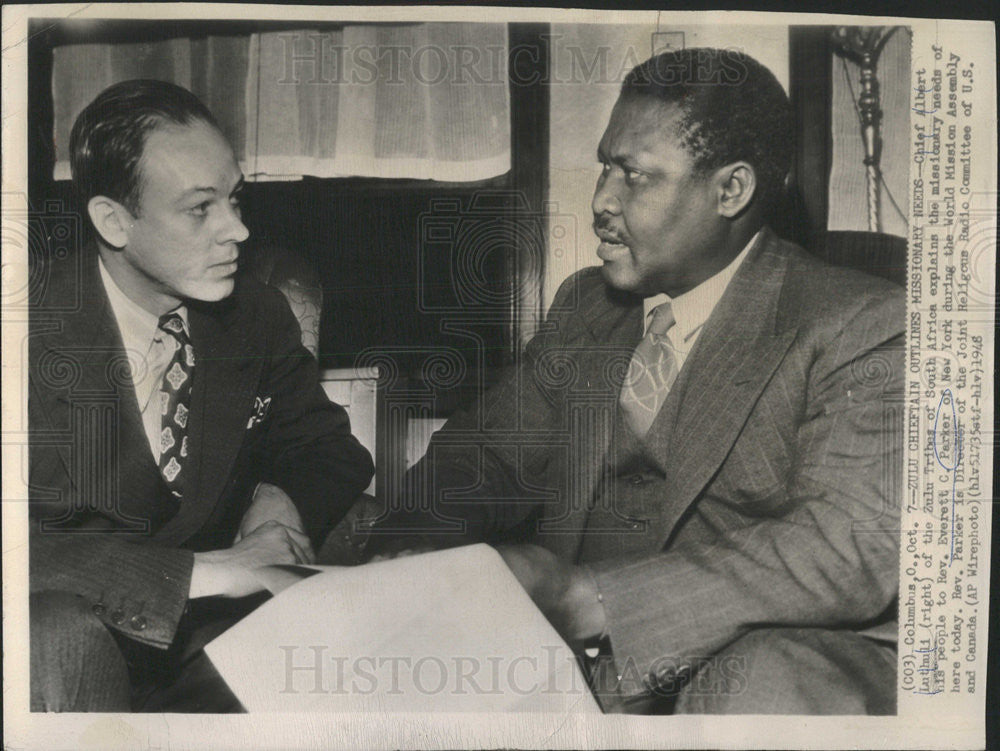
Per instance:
(693,308)
(148,354)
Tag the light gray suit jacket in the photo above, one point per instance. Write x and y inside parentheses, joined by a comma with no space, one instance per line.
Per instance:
(772,492)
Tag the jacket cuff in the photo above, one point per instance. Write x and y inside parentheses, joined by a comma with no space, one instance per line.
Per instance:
(169,572)
(324,485)
(639,650)
(138,590)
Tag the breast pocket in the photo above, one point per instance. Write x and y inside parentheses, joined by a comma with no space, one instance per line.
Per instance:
(755,475)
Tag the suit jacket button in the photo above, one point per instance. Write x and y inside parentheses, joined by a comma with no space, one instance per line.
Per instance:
(138,622)
(635,522)
(99,609)
(637,479)
(117,617)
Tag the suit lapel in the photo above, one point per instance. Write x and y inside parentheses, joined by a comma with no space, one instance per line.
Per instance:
(601,349)
(737,352)
(90,338)
(225,380)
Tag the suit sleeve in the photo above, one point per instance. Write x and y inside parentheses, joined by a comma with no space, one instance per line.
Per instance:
(469,456)
(830,561)
(312,455)
(138,590)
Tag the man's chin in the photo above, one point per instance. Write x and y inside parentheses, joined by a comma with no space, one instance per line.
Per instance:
(215,292)
(617,277)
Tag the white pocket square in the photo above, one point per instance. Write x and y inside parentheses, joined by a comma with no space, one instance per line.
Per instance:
(260,407)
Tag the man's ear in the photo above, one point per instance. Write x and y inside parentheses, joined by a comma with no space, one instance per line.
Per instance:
(737,184)
(111,220)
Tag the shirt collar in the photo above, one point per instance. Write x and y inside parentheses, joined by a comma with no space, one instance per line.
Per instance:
(139,328)
(693,308)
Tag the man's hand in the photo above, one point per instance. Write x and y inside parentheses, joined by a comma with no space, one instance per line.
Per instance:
(402,548)
(272,504)
(404,553)
(230,573)
(566,594)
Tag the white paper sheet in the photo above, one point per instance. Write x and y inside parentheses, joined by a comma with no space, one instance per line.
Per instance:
(450,631)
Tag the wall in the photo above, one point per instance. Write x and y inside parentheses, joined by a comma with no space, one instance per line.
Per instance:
(588,64)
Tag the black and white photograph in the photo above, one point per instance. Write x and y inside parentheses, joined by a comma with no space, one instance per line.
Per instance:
(497,378)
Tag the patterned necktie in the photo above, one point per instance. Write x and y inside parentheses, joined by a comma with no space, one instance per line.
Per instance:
(175,402)
(651,373)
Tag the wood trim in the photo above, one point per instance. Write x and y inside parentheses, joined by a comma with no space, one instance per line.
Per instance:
(41,149)
(528,68)
(810,84)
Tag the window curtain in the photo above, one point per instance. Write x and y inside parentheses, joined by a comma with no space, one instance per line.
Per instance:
(424,101)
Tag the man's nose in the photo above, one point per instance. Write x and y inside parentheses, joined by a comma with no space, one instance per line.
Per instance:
(605,200)
(234,230)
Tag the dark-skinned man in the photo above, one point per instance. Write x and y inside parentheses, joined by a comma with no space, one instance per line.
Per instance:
(691,465)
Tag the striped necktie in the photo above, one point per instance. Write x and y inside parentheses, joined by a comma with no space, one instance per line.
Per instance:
(651,373)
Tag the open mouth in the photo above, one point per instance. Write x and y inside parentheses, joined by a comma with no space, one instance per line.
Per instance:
(609,238)
(611,246)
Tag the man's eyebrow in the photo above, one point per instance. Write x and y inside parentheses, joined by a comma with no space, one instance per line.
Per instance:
(191,192)
(620,159)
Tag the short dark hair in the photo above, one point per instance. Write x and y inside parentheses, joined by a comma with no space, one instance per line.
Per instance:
(109,136)
(732,109)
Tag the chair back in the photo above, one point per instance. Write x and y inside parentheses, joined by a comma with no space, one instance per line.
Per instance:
(875,253)
(296,278)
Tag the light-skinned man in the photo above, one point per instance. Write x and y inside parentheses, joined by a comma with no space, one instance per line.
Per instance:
(201,445)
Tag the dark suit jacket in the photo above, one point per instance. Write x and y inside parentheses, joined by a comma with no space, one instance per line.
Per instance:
(769,494)
(100,513)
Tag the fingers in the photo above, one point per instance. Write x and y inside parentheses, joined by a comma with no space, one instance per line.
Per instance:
(405,552)
(390,556)
(301,544)
(302,554)
(297,552)
(292,545)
